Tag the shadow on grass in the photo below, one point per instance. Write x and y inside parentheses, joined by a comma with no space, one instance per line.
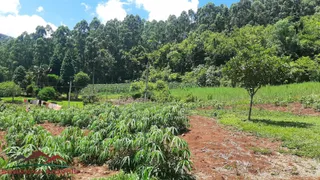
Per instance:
(282,123)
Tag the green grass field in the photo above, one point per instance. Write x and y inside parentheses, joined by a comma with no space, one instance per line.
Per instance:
(266,94)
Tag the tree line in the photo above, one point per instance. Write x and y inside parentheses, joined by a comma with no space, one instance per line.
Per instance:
(190,47)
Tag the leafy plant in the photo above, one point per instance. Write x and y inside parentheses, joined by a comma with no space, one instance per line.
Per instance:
(47,93)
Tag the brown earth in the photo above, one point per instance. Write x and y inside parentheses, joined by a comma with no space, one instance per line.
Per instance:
(91,172)
(295,108)
(2,140)
(53,128)
(125,101)
(219,153)
(56,130)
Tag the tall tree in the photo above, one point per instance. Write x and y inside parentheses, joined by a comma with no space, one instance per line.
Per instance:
(19,76)
(67,69)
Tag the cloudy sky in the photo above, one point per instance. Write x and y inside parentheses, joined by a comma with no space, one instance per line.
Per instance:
(17,16)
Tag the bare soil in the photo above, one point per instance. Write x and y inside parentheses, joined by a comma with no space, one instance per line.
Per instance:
(295,108)
(125,101)
(91,172)
(56,130)
(221,153)
(2,140)
(53,128)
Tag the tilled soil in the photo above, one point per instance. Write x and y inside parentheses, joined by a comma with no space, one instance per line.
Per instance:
(295,108)
(91,172)
(2,140)
(54,129)
(219,153)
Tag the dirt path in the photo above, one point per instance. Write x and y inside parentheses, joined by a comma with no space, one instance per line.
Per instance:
(219,153)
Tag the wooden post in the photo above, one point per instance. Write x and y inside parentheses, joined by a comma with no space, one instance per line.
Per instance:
(147,80)
(69,93)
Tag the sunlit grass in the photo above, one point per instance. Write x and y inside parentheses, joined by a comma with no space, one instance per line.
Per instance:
(266,94)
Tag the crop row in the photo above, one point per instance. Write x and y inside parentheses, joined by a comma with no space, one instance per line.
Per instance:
(141,140)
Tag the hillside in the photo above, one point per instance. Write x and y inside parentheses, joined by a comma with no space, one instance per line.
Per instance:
(4,37)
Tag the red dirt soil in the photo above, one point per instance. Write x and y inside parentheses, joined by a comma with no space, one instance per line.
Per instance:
(295,108)
(219,153)
(91,172)
(2,140)
(54,129)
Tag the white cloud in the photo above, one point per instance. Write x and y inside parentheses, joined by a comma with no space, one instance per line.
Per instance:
(112,9)
(162,9)
(40,9)
(14,24)
(86,6)
(17,24)
(9,6)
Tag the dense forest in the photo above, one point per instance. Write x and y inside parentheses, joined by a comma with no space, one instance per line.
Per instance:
(190,48)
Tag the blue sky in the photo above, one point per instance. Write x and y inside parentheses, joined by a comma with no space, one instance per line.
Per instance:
(17,16)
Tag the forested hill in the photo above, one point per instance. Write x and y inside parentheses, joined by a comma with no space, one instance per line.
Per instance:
(4,37)
(196,43)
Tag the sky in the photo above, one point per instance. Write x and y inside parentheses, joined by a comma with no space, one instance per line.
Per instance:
(17,16)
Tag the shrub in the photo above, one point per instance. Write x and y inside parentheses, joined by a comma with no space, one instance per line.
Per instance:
(161,85)
(47,93)
(191,98)
(89,99)
(32,90)
(9,89)
(158,91)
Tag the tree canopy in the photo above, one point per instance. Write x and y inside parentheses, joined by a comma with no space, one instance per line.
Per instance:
(117,51)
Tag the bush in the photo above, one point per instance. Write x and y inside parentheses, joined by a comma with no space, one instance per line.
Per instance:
(32,90)
(191,98)
(47,93)
(89,99)
(9,89)
(158,91)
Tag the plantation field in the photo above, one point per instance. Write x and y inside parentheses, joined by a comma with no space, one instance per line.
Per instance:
(205,138)
(64,104)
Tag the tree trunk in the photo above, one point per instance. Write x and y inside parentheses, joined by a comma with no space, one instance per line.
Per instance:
(147,80)
(251,103)
(69,96)
(93,81)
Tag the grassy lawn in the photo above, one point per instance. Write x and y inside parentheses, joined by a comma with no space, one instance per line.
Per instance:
(239,96)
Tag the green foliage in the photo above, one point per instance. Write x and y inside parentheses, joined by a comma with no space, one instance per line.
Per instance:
(81,79)
(121,176)
(47,93)
(67,67)
(19,76)
(158,91)
(32,89)
(311,101)
(53,80)
(89,99)
(9,89)
(304,69)
(118,136)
